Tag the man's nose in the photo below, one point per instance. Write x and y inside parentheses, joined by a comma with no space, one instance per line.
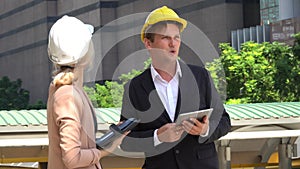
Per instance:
(172,42)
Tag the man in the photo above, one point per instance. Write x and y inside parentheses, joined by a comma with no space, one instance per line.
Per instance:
(165,90)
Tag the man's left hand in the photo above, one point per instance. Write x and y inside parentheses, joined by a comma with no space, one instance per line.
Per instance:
(195,127)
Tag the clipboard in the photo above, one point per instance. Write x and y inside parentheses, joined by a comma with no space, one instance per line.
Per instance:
(199,114)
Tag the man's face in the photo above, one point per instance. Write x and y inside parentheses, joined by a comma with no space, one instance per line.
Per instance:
(166,43)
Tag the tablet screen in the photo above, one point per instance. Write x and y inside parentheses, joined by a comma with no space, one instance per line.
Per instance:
(199,114)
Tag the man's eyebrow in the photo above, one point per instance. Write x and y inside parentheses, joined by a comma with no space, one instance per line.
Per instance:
(168,34)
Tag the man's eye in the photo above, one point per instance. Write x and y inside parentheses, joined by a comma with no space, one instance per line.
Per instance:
(177,37)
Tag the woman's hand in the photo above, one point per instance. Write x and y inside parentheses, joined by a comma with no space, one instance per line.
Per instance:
(113,145)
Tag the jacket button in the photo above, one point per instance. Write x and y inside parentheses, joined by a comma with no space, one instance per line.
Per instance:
(177,151)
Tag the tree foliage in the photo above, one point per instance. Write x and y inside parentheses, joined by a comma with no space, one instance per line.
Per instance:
(111,92)
(12,96)
(267,72)
(107,95)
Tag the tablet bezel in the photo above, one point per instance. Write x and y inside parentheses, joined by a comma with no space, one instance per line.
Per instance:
(199,114)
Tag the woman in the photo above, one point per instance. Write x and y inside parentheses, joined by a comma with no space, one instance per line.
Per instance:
(71,118)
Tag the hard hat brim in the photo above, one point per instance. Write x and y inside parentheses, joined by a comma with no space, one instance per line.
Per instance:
(179,20)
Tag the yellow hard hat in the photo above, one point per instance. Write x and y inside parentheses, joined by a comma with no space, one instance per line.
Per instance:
(162,14)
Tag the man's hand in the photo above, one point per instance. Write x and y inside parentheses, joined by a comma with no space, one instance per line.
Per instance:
(169,132)
(195,127)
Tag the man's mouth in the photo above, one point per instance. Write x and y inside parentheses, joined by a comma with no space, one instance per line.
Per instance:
(173,52)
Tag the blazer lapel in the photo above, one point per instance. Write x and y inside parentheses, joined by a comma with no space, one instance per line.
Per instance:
(188,94)
(177,110)
(149,87)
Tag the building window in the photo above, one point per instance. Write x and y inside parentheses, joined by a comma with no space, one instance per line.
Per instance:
(269,11)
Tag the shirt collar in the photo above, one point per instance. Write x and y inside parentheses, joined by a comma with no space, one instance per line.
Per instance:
(155,74)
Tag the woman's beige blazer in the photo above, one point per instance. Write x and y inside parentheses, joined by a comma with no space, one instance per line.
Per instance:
(71,129)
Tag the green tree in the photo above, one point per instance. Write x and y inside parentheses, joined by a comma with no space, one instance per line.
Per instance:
(295,72)
(111,92)
(218,76)
(12,96)
(38,105)
(107,95)
(259,72)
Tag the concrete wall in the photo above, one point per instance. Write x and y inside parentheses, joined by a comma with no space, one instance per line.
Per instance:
(24,36)
(25,24)
(23,39)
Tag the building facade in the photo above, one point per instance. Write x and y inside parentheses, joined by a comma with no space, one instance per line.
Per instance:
(279,20)
(276,10)
(25,25)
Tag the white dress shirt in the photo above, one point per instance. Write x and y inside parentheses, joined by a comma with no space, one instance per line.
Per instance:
(167,91)
(168,94)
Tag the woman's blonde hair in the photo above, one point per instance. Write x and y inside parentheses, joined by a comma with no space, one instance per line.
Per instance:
(64,74)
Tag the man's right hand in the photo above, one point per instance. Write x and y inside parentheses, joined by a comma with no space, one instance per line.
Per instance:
(169,132)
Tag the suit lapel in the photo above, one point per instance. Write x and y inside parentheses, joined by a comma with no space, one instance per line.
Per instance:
(188,94)
(149,87)
(177,111)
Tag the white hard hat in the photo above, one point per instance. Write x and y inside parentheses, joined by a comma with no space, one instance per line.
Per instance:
(69,40)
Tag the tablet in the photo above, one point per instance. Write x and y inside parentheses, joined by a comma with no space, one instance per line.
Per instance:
(199,114)
(116,131)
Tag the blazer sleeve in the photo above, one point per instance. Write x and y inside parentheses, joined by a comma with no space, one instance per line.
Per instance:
(67,113)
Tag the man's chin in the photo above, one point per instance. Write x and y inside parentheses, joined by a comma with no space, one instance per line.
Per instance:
(170,55)
(174,56)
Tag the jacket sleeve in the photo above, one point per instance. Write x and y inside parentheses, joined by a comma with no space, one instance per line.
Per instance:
(67,113)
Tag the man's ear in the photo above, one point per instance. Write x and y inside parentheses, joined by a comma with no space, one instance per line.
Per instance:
(147,43)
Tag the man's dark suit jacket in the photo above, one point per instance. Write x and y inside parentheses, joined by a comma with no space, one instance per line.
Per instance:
(196,92)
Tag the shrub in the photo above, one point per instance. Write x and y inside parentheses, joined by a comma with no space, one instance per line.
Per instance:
(12,96)
(111,93)
(266,72)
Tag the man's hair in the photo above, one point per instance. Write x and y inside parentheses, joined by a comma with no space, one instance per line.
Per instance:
(151,30)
